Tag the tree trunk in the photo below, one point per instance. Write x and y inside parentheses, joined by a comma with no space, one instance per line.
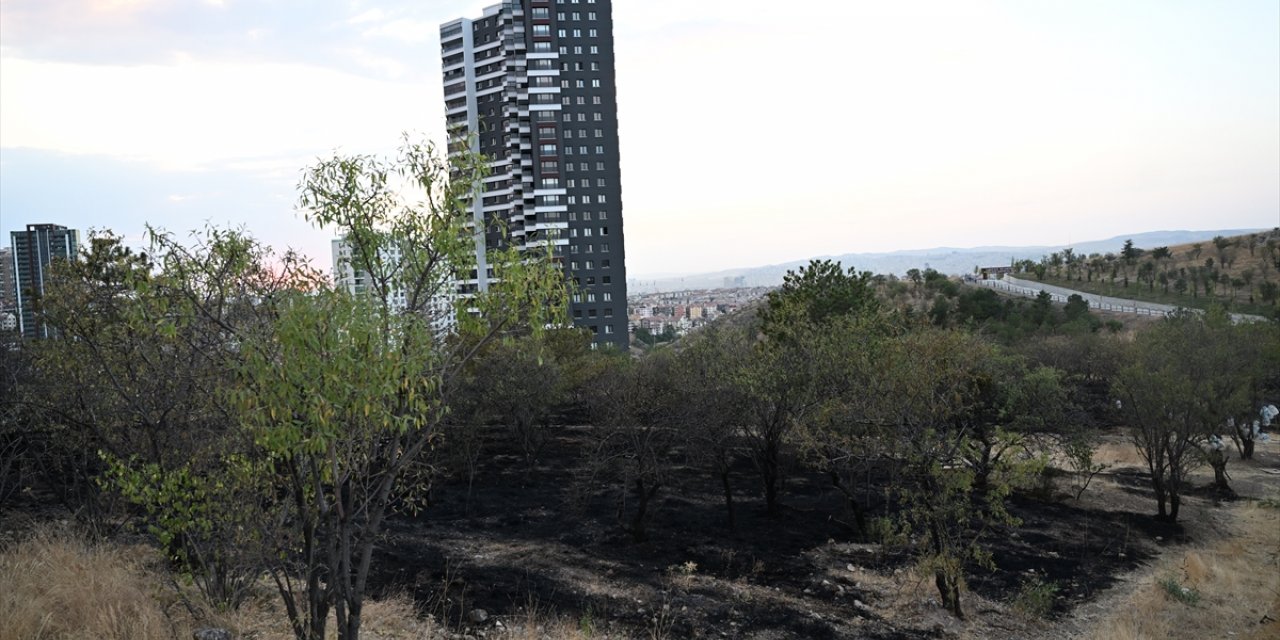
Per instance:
(728,499)
(1158,486)
(643,498)
(1175,501)
(1218,460)
(949,591)
(769,471)
(859,516)
(1246,449)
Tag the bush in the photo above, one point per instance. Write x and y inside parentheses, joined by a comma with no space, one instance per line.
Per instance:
(1179,592)
(1035,598)
(56,586)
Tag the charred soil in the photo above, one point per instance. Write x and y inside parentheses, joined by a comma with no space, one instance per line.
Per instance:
(549,538)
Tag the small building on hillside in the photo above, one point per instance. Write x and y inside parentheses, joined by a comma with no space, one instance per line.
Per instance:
(989,273)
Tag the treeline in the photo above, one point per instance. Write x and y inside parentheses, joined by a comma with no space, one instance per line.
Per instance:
(256,419)
(930,296)
(1241,272)
(259,421)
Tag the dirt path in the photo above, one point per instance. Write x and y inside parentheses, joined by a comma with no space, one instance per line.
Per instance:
(1221,581)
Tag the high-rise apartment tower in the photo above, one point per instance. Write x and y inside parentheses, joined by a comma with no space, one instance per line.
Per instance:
(33,251)
(531,85)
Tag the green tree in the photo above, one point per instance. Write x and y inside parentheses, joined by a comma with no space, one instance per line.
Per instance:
(818,291)
(929,385)
(1077,307)
(707,372)
(518,382)
(1042,311)
(839,437)
(141,379)
(780,383)
(1011,404)
(1181,386)
(1129,252)
(347,393)
(641,407)
(777,385)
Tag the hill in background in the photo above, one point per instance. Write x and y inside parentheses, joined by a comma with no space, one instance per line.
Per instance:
(948,260)
(1241,272)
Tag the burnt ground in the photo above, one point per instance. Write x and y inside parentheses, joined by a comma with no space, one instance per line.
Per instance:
(526,539)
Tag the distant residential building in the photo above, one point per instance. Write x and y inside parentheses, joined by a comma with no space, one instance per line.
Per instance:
(358,282)
(34,250)
(8,289)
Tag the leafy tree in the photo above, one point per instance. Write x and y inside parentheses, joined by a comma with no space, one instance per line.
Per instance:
(713,411)
(1129,252)
(1088,363)
(1178,391)
(17,448)
(518,383)
(639,412)
(347,393)
(818,291)
(1011,404)
(139,383)
(929,385)
(778,387)
(1077,307)
(1247,357)
(839,438)
(915,277)
(1042,311)
(780,382)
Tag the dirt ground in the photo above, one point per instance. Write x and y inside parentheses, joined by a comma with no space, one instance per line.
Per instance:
(524,541)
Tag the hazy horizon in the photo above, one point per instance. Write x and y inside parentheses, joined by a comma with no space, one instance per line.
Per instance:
(750,133)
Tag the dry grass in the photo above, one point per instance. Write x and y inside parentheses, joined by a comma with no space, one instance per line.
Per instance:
(1228,589)
(392,618)
(54,586)
(1119,452)
(57,586)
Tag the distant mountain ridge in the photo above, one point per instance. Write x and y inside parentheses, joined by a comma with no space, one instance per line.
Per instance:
(949,260)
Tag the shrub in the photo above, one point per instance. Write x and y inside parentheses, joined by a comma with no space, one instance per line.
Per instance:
(56,586)
(1180,592)
(1035,598)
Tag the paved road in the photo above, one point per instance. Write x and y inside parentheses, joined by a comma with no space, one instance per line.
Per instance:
(1031,289)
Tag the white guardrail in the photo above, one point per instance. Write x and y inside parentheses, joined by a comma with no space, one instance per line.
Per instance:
(1031,289)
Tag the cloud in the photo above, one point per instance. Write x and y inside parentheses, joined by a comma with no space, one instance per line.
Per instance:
(372,15)
(404,30)
(143,32)
(197,114)
(104,192)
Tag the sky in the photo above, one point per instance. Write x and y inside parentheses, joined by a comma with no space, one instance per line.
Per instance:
(751,132)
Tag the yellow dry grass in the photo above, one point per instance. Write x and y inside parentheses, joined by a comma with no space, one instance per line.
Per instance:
(1229,588)
(1118,452)
(56,586)
(391,618)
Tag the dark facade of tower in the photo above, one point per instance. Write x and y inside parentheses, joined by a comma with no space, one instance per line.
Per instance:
(532,84)
(34,250)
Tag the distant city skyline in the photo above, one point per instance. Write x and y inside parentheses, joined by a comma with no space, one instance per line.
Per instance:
(750,133)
